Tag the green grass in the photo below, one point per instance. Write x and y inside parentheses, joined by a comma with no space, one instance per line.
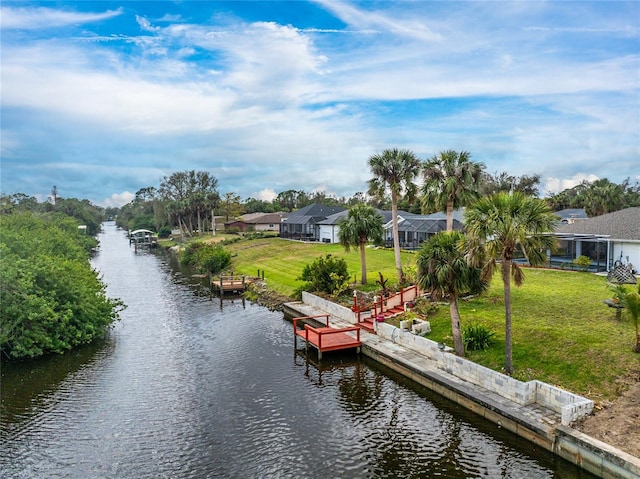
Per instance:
(562,332)
(283,261)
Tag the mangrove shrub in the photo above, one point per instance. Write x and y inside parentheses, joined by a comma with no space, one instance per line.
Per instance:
(52,299)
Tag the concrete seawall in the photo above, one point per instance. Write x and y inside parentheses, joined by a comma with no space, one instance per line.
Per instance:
(534,410)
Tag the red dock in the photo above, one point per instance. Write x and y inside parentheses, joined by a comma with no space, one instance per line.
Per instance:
(326,338)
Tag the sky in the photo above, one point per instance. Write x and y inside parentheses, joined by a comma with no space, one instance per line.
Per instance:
(102,99)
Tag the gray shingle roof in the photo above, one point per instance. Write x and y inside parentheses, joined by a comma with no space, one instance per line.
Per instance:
(620,225)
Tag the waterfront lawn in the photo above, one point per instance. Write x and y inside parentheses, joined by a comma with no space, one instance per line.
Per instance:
(282,261)
(563,334)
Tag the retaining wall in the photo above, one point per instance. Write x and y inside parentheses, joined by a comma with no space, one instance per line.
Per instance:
(570,406)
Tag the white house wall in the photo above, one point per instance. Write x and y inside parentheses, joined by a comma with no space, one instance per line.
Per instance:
(630,253)
(329,233)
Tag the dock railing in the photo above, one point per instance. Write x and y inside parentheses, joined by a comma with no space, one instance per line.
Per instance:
(335,338)
(382,304)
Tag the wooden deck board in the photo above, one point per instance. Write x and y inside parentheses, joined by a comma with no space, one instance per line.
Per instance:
(328,338)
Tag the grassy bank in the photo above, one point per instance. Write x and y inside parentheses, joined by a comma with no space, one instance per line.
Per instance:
(282,261)
(562,332)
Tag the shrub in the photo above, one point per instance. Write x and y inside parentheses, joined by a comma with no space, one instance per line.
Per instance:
(327,274)
(582,262)
(477,337)
(206,257)
(164,232)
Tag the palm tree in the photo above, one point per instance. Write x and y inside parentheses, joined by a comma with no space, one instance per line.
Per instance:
(450,181)
(444,272)
(395,169)
(631,302)
(501,226)
(361,225)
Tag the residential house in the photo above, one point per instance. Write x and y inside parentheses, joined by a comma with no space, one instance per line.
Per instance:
(571,215)
(329,227)
(303,224)
(257,222)
(413,230)
(606,239)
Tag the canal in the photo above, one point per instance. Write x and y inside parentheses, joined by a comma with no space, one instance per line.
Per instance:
(188,386)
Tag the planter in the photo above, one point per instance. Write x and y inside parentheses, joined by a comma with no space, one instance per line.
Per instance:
(406,324)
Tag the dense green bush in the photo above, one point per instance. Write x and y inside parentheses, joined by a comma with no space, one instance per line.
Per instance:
(164,232)
(582,262)
(477,338)
(206,257)
(52,300)
(327,274)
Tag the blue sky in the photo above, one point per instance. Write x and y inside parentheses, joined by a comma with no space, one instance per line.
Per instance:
(104,98)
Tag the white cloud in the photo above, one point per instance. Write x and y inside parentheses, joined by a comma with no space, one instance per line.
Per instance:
(556,185)
(118,199)
(268,194)
(42,17)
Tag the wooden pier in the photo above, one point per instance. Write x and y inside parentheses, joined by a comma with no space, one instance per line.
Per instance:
(229,284)
(326,338)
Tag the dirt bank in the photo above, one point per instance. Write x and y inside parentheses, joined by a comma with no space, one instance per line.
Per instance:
(618,422)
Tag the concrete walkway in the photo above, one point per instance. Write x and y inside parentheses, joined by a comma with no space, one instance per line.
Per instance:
(538,424)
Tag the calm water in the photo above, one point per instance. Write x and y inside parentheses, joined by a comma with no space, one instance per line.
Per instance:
(186,386)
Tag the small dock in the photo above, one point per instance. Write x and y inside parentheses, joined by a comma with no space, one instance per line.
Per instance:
(326,338)
(229,284)
(143,239)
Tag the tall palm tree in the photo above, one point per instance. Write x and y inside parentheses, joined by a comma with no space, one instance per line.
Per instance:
(394,169)
(498,228)
(444,272)
(450,181)
(361,225)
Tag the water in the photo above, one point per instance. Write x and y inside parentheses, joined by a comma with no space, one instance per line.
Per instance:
(186,386)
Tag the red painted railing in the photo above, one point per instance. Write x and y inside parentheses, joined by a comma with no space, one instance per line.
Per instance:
(384,304)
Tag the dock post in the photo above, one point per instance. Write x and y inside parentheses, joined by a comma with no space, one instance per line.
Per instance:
(221,288)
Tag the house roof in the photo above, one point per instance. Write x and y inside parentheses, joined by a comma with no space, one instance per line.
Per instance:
(385,214)
(312,213)
(619,225)
(334,218)
(262,218)
(569,213)
(441,215)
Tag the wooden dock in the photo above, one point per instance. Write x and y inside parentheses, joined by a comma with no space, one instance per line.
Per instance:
(143,239)
(229,284)
(326,338)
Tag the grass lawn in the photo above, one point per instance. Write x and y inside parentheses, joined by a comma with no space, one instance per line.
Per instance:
(563,334)
(283,261)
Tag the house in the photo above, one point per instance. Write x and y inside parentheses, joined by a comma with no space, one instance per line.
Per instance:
(329,227)
(256,222)
(303,224)
(571,215)
(413,230)
(606,239)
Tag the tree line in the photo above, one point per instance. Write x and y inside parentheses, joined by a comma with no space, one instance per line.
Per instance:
(191,200)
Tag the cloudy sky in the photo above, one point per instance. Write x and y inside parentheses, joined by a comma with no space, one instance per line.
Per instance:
(104,98)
